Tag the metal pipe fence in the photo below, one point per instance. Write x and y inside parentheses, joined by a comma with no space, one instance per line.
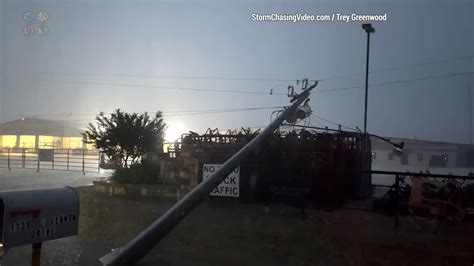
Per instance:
(400,183)
(77,160)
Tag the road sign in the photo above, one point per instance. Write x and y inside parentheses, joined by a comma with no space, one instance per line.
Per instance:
(227,188)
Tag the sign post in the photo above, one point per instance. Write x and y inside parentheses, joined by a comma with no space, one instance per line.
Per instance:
(36,256)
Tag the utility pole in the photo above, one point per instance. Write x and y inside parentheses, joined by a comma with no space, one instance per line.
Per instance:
(365,178)
(141,244)
(469,88)
(368,29)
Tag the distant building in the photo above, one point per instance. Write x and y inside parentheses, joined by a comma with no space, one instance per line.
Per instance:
(42,134)
(423,153)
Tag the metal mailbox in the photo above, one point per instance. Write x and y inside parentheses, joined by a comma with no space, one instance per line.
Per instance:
(35,216)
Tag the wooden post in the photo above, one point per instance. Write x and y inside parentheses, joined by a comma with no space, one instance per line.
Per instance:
(52,160)
(98,164)
(83,161)
(9,168)
(67,164)
(36,255)
(23,157)
(38,167)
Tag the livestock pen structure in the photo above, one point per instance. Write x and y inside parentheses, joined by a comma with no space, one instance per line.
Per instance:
(295,166)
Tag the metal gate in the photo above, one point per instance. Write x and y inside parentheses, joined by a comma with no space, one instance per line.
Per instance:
(78,160)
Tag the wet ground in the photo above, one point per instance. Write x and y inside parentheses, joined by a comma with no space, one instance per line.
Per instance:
(225,232)
(30,179)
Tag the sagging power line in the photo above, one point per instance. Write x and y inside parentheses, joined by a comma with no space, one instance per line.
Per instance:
(192,77)
(165,113)
(154,87)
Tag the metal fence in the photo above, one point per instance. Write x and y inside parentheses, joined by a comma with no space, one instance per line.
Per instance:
(78,160)
(398,193)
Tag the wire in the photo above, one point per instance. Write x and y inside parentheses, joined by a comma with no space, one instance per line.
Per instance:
(395,82)
(154,87)
(249,92)
(165,113)
(400,67)
(161,76)
(333,123)
(218,112)
(236,109)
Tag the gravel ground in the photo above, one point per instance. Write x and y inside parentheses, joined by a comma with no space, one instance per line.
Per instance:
(226,232)
(30,179)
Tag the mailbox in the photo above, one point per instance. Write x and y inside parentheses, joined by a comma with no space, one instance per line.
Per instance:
(35,216)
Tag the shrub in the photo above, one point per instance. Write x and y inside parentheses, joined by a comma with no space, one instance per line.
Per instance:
(142,173)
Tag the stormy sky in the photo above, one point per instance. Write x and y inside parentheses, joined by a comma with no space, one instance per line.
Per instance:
(181,55)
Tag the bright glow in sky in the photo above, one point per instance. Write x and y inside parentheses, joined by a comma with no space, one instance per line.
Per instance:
(104,55)
(174,131)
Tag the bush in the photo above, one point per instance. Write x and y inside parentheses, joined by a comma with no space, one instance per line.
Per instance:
(142,173)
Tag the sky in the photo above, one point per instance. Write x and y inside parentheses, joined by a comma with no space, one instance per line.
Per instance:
(139,55)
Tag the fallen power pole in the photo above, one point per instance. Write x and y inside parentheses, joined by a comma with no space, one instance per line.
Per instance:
(141,244)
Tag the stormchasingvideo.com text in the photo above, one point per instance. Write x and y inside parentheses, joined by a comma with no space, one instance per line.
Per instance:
(305,17)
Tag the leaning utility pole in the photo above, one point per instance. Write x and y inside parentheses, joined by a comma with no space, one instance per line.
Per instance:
(141,244)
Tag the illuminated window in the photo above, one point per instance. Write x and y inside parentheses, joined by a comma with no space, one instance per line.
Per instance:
(75,143)
(166,147)
(27,141)
(48,142)
(72,142)
(8,141)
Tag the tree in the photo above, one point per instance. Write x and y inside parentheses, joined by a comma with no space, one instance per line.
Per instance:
(126,137)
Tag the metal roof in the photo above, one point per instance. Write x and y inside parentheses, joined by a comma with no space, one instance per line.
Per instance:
(36,126)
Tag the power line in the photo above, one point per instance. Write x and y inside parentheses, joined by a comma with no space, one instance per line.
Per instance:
(395,82)
(165,113)
(248,92)
(235,109)
(332,122)
(155,87)
(401,67)
(162,76)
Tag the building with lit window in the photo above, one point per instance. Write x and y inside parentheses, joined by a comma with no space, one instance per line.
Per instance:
(34,133)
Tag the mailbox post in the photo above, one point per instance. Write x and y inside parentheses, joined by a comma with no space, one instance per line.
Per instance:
(30,217)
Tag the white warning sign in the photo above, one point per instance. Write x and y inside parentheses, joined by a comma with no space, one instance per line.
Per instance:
(227,188)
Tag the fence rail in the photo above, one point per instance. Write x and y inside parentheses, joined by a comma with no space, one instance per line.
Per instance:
(398,186)
(78,160)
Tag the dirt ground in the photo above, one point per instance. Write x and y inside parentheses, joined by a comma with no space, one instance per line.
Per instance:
(226,232)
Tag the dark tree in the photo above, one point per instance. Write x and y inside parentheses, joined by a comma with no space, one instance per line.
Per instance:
(126,137)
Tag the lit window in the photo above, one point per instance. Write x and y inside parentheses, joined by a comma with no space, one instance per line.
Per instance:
(8,141)
(27,141)
(48,142)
